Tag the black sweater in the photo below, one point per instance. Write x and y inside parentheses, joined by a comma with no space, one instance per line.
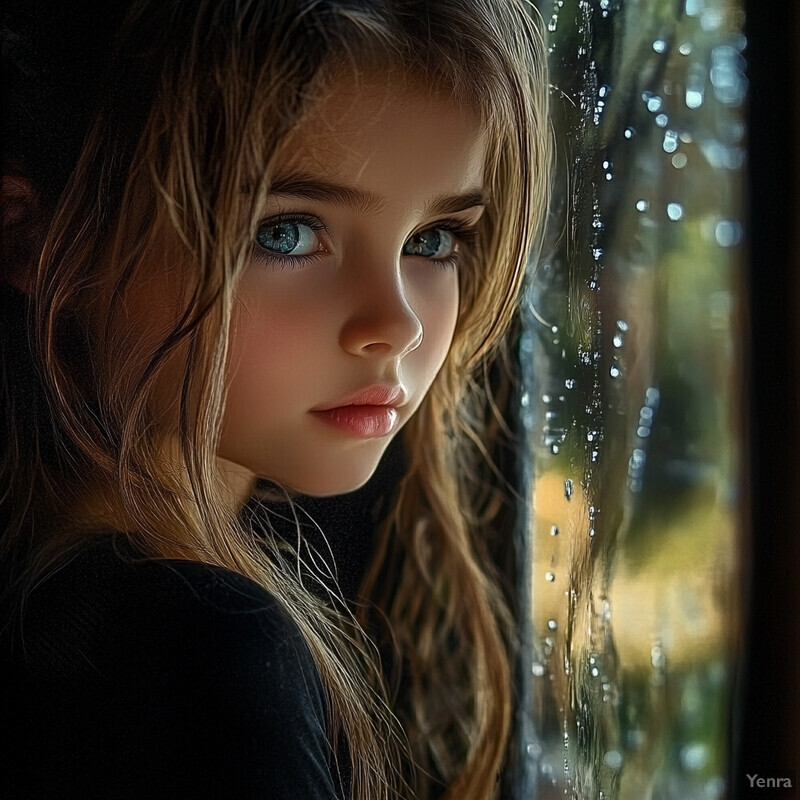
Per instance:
(161,678)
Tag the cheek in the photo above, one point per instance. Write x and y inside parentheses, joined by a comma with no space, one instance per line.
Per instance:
(269,342)
(437,309)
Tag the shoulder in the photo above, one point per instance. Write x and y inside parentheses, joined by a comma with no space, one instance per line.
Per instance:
(187,670)
(125,610)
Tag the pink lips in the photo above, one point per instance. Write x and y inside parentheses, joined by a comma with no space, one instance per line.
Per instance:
(367,414)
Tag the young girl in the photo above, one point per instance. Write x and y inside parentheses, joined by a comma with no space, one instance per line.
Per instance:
(245,245)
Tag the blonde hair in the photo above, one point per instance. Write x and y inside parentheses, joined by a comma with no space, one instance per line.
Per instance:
(212,111)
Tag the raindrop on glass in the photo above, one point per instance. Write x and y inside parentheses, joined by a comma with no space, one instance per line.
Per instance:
(552,625)
(670,141)
(642,205)
(657,657)
(694,98)
(554,530)
(694,7)
(728,233)
(694,756)
(674,211)
(614,371)
(660,46)
(679,160)
(685,48)
(654,104)
(534,750)
(662,120)
(550,576)
(568,488)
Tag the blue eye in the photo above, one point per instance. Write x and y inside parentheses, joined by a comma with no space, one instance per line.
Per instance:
(433,243)
(287,237)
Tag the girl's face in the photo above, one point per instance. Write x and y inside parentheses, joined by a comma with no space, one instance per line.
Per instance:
(347,308)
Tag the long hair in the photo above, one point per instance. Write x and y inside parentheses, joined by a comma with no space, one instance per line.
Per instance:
(195,102)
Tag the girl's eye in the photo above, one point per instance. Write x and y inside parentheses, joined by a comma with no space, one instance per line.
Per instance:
(433,243)
(292,237)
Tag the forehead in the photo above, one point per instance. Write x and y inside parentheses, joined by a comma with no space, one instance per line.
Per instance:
(390,137)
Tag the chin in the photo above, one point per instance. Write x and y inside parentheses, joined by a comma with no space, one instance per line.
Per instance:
(327,480)
(333,485)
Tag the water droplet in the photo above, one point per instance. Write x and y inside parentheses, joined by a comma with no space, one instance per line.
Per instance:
(570,383)
(568,488)
(657,657)
(674,211)
(685,48)
(534,750)
(550,576)
(613,759)
(618,340)
(614,371)
(654,103)
(554,530)
(595,672)
(694,7)
(552,625)
(642,205)
(546,398)
(643,431)
(728,233)
(670,141)
(694,756)
(659,45)
(694,98)
(604,91)
(679,160)
(622,325)
(538,669)
(662,120)
(591,533)
(630,132)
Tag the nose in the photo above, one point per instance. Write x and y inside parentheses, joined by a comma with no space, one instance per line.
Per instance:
(381,320)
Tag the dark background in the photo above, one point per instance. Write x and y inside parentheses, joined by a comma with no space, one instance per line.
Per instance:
(769,713)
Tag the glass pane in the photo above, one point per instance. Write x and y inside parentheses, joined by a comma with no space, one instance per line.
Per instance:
(631,354)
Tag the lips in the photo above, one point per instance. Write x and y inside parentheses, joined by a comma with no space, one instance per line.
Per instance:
(366,414)
(377,395)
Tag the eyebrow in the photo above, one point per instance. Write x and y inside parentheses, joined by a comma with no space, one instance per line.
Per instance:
(317,189)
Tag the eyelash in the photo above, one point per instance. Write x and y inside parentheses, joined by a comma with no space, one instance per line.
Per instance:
(465,235)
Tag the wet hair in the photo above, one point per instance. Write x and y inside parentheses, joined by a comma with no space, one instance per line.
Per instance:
(153,118)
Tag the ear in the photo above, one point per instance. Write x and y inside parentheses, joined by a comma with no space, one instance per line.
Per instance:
(20,232)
